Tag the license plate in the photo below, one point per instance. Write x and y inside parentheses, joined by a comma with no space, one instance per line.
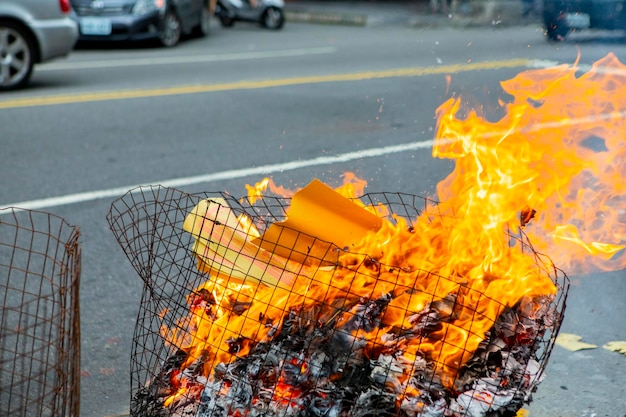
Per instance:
(95,26)
(577,20)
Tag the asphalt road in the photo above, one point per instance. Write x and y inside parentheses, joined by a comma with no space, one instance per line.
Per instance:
(310,101)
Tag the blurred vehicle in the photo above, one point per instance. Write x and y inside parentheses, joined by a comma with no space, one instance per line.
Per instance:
(133,20)
(32,32)
(268,13)
(560,17)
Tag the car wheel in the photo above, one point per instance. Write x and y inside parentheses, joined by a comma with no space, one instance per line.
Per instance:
(171,31)
(17,56)
(202,29)
(273,18)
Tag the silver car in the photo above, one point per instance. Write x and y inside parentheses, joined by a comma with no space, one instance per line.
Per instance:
(31,32)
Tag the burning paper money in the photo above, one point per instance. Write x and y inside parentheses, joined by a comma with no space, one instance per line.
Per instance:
(362,300)
(390,304)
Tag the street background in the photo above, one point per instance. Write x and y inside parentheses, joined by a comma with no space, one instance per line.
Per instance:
(112,117)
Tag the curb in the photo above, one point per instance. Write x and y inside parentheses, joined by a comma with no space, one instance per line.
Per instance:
(326,18)
(473,13)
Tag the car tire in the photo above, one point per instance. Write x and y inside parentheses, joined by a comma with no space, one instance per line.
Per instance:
(17,56)
(273,18)
(171,32)
(202,29)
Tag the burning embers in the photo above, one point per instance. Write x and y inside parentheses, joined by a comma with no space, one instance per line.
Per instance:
(324,304)
(359,329)
(323,370)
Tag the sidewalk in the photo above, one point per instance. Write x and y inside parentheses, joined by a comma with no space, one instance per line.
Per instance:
(407,13)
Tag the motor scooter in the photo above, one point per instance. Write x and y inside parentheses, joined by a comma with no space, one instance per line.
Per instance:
(269,13)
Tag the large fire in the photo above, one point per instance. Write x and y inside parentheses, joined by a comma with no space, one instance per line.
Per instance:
(553,165)
(559,150)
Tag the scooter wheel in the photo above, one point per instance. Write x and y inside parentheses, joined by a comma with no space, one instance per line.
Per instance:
(273,18)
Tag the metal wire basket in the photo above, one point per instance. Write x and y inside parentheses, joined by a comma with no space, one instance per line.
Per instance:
(315,356)
(39,315)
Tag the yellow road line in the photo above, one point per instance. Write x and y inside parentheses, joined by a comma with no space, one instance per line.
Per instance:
(249,85)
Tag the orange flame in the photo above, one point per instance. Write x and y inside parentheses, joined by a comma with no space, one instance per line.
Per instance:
(416,266)
(256,191)
(558,150)
(352,187)
(537,161)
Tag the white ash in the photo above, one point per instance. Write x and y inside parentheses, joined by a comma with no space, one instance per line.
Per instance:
(329,372)
(485,396)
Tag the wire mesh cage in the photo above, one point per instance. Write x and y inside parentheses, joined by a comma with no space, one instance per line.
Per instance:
(235,322)
(39,316)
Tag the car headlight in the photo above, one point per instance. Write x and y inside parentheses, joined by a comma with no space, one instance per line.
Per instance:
(147,6)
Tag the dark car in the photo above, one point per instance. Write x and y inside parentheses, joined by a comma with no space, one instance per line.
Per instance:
(560,17)
(134,20)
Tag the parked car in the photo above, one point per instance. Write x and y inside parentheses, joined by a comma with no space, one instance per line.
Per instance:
(269,13)
(560,17)
(32,32)
(133,20)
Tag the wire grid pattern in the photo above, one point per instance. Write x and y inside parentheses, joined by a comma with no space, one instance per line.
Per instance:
(39,315)
(147,223)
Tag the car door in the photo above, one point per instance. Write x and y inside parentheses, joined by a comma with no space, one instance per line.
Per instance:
(188,12)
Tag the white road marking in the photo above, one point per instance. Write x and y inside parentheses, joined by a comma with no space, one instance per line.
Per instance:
(273,168)
(543,63)
(188,59)
(223,175)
